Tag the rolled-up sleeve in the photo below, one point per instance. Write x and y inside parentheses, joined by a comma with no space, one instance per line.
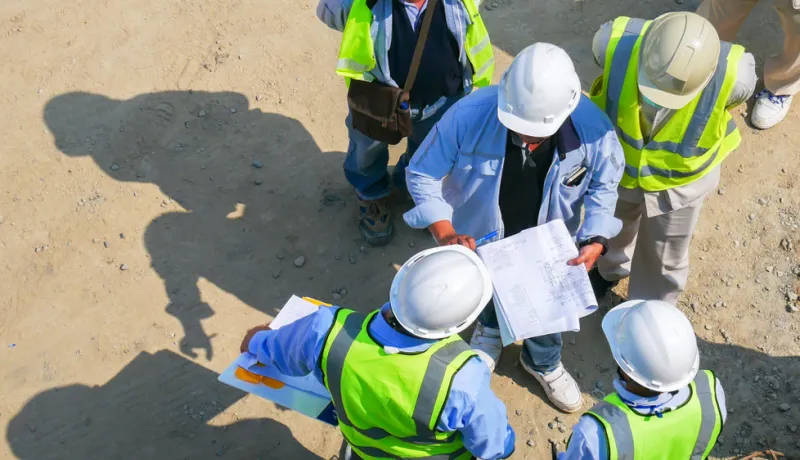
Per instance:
(473,409)
(601,197)
(432,162)
(333,13)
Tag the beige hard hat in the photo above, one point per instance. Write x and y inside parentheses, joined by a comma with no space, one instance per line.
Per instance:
(678,57)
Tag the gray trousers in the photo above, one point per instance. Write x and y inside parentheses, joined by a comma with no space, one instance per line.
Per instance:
(652,251)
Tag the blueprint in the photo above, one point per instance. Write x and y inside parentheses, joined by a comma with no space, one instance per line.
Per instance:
(535,291)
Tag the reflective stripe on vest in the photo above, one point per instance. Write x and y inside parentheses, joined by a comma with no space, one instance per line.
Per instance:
(694,140)
(620,424)
(357,52)
(343,336)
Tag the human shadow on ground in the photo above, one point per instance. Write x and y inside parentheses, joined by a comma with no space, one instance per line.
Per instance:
(157,407)
(256,191)
(755,385)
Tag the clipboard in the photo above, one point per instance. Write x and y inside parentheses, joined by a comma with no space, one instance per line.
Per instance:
(305,395)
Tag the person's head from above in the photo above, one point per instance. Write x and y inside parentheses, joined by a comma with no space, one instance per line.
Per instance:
(678,56)
(654,346)
(538,93)
(440,292)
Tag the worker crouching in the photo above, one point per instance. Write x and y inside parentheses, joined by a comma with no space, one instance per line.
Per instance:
(403,383)
(664,409)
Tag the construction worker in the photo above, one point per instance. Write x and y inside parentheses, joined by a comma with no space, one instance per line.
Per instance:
(514,156)
(667,85)
(664,409)
(403,383)
(378,43)
(781,72)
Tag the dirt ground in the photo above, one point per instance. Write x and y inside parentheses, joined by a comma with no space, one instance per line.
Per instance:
(139,239)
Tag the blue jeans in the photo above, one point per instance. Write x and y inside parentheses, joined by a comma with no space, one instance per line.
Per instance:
(367,159)
(543,354)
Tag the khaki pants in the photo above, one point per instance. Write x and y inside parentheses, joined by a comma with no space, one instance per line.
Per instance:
(652,251)
(781,72)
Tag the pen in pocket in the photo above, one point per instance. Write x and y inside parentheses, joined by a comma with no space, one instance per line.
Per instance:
(576,177)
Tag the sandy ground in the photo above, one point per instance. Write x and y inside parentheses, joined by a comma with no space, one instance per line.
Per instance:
(138,242)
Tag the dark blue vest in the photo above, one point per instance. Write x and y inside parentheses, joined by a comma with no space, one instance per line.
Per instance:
(440,72)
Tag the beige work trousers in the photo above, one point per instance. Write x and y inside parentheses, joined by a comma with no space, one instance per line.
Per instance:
(781,72)
(652,251)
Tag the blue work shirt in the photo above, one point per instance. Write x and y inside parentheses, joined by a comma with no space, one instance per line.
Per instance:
(471,407)
(589,442)
(455,173)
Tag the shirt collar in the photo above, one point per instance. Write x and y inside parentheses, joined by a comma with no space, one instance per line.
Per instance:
(387,336)
(642,404)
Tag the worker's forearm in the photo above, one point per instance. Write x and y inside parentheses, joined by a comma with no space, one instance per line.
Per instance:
(442,229)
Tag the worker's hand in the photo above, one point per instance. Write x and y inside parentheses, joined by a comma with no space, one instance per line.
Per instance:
(463,240)
(446,235)
(588,255)
(245,346)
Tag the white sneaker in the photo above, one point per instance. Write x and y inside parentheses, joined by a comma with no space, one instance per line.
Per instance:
(770,109)
(559,386)
(487,344)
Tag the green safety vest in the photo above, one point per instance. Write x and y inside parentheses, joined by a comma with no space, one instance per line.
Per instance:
(357,53)
(687,432)
(388,404)
(695,139)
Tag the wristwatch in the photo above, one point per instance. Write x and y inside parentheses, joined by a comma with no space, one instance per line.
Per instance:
(596,239)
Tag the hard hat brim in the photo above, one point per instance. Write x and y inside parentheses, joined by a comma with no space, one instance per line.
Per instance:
(528,128)
(610,324)
(663,98)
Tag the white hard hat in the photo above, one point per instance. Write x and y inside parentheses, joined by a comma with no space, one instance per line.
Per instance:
(440,291)
(538,91)
(678,57)
(654,343)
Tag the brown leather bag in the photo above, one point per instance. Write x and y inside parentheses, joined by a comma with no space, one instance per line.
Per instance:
(382,112)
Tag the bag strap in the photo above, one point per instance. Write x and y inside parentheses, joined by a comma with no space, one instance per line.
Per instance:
(423,36)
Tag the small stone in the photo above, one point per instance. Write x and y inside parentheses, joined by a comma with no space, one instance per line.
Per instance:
(752,216)
(572,341)
(300,261)
(708,327)
(530,443)
(785,407)
(769,268)
(279,256)
(114,167)
(792,309)
(581,375)
(337,296)
(352,258)
(786,245)
(793,428)
(551,425)
(411,244)
(233,110)
(721,191)
(343,292)
(122,236)
(791,297)
(558,420)
(561,429)
(258,97)
(518,412)
(123,267)
(201,114)
(599,385)
(105,243)
(276,274)
(258,165)
(258,181)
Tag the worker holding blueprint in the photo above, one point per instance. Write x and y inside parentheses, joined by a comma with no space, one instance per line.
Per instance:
(402,381)
(515,156)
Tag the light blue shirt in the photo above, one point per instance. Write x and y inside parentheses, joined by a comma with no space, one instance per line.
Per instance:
(589,440)
(471,407)
(455,174)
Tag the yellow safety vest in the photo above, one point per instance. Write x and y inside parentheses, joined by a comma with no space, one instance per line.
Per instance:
(695,139)
(357,53)
(686,432)
(388,405)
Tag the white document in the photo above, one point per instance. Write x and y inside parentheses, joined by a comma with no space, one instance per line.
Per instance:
(535,291)
(293,310)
